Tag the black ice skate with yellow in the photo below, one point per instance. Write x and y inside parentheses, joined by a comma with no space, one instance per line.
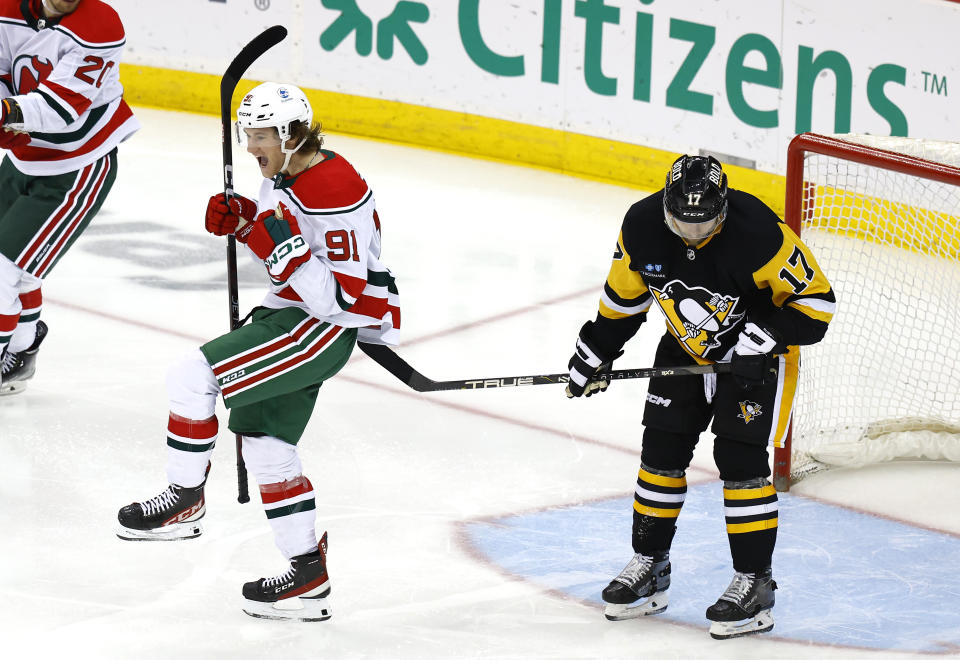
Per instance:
(299,594)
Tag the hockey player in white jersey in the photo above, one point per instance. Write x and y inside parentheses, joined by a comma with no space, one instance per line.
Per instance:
(62,115)
(316,230)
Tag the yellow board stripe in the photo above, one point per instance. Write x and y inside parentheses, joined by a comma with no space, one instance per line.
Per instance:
(743,528)
(656,513)
(446,130)
(748,493)
(661,480)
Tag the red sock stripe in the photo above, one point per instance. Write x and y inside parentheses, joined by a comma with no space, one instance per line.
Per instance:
(277,492)
(192,428)
(31,299)
(8,322)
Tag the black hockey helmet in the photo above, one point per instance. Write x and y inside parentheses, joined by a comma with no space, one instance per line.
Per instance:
(695,197)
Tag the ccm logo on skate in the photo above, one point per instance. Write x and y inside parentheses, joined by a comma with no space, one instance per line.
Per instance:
(235,375)
(183,515)
(282,588)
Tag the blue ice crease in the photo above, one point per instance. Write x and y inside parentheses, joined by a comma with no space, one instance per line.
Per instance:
(845,578)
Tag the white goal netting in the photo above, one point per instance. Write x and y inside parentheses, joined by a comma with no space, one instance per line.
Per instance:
(885,382)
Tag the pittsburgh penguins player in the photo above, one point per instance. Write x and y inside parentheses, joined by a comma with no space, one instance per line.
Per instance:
(735,285)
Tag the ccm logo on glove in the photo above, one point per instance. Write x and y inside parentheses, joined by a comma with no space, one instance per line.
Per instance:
(275,238)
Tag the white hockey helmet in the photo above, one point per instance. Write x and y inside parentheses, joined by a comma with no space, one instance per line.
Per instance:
(274,105)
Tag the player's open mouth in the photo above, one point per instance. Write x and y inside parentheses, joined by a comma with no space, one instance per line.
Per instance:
(262,160)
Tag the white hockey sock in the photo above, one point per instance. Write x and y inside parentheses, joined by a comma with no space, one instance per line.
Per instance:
(287,495)
(190,443)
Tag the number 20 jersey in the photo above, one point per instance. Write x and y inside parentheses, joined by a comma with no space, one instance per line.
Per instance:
(63,72)
(755,267)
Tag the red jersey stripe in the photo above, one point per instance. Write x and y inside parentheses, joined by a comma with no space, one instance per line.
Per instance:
(266,349)
(28,153)
(289,363)
(54,253)
(352,286)
(52,223)
(75,100)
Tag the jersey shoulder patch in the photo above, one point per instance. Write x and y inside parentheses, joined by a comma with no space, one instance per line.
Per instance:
(11,9)
(94,23)
(331,186)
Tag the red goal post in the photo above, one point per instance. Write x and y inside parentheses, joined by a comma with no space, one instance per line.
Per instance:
(882,217)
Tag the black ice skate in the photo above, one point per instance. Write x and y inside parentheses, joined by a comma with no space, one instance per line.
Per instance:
(640,589)
(299,594)
(18,368)
(744,608)
(172,515)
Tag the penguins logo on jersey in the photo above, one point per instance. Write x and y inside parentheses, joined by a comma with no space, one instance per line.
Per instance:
(30,72)
(749,410)
(696,317)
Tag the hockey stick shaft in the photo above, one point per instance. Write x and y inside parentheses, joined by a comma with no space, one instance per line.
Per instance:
(228,83)
(396,365)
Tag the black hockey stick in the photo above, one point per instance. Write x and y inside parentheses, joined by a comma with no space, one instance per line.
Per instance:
(386,358)
(228,83)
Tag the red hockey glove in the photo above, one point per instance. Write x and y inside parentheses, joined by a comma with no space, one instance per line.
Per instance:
(223,218)
(275,238)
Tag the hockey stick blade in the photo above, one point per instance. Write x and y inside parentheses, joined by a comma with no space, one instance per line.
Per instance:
(259,45)
(396,365)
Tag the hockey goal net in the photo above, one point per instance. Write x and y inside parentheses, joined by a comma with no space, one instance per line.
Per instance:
(882,217)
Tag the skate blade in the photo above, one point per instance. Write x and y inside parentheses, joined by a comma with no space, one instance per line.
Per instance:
(16,387)
(290,609)
(653,605)
(175,532)
(761,623)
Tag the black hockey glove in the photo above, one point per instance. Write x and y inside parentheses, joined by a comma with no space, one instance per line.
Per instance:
(752,363)
(587,362)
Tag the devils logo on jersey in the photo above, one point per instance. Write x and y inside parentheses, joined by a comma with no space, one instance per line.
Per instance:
(696,317)
(30,72)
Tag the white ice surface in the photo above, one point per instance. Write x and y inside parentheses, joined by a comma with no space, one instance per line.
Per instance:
(497,267)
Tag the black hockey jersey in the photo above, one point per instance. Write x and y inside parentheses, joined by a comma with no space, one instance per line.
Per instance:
(754,267)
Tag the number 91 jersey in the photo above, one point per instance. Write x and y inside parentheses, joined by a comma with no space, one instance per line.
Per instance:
(753,267)
(344,282)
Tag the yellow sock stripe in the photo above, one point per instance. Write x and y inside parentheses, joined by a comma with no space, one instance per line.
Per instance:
(660,480)
(755,526)
(645,510)
(748,493)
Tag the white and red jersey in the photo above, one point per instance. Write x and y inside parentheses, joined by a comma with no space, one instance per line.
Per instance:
(63,72)
(344,283)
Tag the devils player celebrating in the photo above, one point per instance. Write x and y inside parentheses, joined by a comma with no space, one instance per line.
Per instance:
(62,116)
(735,285)
(315,229)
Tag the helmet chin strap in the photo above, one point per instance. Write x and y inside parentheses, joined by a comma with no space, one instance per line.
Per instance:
(289,153)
